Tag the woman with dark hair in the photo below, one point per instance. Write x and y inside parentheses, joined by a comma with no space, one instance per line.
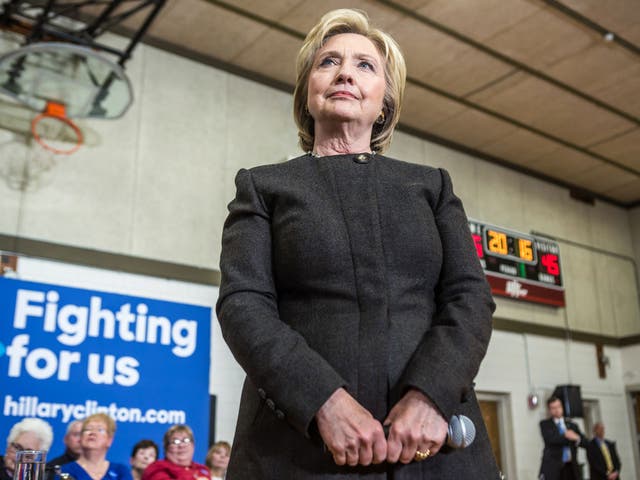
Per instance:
(143,454)
(351,293)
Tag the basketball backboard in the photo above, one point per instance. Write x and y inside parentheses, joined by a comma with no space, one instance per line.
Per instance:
(85,82)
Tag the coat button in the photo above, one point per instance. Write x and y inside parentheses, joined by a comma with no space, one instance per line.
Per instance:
(270,403)
(279,414)
(361,158)
(262,394)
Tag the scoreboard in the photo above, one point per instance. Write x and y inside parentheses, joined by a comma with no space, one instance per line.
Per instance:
(518,265)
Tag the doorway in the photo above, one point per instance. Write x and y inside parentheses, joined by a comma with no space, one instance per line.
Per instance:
(495,410)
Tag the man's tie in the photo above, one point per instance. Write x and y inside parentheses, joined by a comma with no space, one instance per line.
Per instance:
(607,456)
(566,451)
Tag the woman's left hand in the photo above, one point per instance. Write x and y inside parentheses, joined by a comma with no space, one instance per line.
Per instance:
(415,425)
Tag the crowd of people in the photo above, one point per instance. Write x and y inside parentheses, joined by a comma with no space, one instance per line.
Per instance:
(86,447)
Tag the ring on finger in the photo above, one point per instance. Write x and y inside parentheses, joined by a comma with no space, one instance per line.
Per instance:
(421,455)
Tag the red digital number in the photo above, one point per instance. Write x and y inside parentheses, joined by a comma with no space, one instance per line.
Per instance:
(477,240)
(550,262)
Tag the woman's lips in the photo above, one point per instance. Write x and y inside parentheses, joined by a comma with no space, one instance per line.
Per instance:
(342,94)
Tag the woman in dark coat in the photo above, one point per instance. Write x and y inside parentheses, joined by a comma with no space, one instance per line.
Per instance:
(351,293)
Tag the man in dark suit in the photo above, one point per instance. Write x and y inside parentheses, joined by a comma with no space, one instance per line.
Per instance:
(604,463)
(73,449)
(561,438)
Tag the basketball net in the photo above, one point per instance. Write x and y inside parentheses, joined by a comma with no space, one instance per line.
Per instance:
(24,165)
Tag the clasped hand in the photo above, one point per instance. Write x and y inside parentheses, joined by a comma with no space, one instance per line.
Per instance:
(571,435)
(354,437)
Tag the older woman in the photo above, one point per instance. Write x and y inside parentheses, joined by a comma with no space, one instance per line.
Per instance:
(351,293)
(218,459)
(27,434)
(97,435)
(178,463)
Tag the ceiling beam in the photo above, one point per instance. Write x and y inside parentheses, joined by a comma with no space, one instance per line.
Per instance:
(508,60)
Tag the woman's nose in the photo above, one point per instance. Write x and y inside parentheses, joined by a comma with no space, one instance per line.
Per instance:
(345,74)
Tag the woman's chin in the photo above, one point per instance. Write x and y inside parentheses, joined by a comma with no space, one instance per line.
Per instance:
(338,119)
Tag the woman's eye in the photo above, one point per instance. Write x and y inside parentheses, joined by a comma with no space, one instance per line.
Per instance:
(366,65)
(328,61)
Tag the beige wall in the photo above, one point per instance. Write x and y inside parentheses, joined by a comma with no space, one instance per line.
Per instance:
(158,182)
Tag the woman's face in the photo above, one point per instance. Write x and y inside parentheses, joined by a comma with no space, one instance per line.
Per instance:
(143,458)
(220,458)
(180,449)
(346,82)
(24,441)
(95,436)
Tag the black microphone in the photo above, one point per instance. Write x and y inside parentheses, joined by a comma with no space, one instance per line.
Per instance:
(460,434)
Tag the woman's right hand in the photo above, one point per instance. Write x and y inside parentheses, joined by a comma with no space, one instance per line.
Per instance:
(350,432)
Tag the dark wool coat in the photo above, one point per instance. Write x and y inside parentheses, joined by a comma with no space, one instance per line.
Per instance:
(554,442)
(354,271)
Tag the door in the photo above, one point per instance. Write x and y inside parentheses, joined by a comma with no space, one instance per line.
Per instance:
(490,410)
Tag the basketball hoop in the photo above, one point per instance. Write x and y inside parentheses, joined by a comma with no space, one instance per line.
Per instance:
(55,132)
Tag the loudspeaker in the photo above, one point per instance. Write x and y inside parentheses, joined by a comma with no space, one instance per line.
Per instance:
(571,399)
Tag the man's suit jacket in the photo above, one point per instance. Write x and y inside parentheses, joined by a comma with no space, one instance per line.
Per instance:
(357,272)
(597,464)
(554,443)
(4,475)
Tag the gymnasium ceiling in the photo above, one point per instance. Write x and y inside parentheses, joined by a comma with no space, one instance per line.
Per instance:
(533,85)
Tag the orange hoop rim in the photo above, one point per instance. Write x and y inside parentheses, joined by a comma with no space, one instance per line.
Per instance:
(57,111)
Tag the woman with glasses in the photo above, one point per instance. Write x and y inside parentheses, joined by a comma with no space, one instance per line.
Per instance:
(96,438)
(28,434)
(178,461)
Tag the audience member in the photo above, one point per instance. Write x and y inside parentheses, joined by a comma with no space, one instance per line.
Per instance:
(561,438)
(218,459)
(602,455)
(97,436)
(144,453)
(27,434)
(72,444)
(178,463)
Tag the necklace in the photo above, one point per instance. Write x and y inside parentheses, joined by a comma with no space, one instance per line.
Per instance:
(315,155)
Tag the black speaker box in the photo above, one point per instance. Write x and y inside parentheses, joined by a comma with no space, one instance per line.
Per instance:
(571,399)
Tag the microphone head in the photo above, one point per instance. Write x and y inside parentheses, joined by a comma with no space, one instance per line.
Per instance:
(462,432)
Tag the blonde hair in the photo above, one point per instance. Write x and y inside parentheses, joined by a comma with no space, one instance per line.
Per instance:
(104,418)
(221,444)
(395,73)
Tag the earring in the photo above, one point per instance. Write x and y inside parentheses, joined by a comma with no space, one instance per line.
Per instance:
(381,118)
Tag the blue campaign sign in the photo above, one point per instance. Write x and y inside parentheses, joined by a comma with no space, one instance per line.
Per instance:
(67,352)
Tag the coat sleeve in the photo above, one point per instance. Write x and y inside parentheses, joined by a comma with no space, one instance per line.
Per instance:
(583,442)
(276,358)
(448,358)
